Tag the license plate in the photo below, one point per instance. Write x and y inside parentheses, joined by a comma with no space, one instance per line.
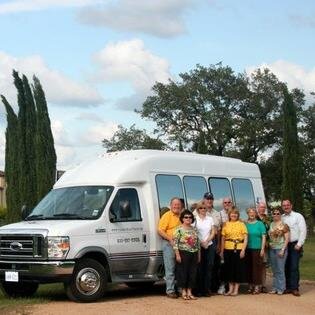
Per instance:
(11,276)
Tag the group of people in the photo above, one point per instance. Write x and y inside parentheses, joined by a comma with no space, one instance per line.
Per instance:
(207,251)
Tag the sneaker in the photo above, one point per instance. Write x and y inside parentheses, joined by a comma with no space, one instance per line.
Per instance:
(221,290)
(273,292)
(172,295)
(280,292)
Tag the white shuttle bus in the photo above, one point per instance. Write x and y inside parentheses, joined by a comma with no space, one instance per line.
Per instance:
(98,225)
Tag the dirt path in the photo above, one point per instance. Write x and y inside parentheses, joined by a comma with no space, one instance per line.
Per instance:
(138,302)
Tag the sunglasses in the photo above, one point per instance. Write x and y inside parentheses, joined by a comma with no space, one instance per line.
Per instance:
(187,217)
(227,202)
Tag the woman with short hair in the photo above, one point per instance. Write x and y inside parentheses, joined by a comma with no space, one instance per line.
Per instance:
(187,253)
(255,250)
(233,245)
(206,230)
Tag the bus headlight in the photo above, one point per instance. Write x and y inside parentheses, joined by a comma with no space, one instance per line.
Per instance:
(58,246)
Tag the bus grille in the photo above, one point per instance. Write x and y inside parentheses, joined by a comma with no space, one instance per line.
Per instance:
(21,246)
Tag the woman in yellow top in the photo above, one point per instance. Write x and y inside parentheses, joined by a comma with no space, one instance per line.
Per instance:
(233,245)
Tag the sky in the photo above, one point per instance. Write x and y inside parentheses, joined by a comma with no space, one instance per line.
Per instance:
(98,59)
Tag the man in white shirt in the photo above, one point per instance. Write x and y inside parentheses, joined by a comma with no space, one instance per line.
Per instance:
(297,225)
(215,215)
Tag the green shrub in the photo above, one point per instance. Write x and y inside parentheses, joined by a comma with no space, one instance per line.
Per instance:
(3,213)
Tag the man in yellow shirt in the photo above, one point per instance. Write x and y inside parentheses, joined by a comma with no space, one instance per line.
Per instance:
(167,225)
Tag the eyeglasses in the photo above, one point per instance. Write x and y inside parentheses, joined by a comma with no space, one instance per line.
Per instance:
(227,202)
(276,213)
(187,217)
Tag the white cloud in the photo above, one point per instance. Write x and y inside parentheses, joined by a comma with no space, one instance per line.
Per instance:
(72,148)
(95,134)
(37,5)
(163,18)
(60,133)
(130,61)
(294,75)
(65,156)
(59,88)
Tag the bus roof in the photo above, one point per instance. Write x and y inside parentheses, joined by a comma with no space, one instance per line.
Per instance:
(136,166)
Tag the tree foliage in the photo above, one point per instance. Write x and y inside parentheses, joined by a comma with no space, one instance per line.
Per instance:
(233,114)
(44,143)
(204,102)
(308,152)
(12,171)
(132,139)
(30,161)
(291,167)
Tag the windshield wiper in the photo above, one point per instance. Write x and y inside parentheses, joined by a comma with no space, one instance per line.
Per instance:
(69,215)
(35,217)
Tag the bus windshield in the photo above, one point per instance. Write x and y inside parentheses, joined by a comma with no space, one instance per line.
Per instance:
(80,202)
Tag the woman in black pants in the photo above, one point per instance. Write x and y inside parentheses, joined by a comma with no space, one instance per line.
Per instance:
(206,233)
(187,253)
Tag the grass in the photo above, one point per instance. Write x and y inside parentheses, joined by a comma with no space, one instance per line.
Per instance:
(307,263)
(45,293)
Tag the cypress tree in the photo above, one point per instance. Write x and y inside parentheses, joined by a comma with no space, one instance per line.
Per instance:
(21,140)
(44,143)
(30,160)
(11,164)
(291,168)
(30,154)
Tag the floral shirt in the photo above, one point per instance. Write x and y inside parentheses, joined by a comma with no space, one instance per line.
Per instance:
(186,240)
(276,235)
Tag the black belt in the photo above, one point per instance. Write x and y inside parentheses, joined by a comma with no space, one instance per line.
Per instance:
(235,241)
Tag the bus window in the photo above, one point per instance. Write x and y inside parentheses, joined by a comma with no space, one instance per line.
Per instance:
(195,187)
(220,188)
(244,195)
(168,187)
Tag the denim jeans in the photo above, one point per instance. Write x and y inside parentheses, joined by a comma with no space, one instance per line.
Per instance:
(292,272)
(277,266)
(169,266)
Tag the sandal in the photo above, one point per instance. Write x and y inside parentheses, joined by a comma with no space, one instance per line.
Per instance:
(185,297)
(256,291)
(191,297)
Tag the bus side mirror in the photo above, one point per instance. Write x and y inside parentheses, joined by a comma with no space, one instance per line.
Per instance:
(112,216)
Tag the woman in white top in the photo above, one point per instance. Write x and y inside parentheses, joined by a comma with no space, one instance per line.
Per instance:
(205,227)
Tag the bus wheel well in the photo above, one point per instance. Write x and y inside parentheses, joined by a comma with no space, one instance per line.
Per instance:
(101,258)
